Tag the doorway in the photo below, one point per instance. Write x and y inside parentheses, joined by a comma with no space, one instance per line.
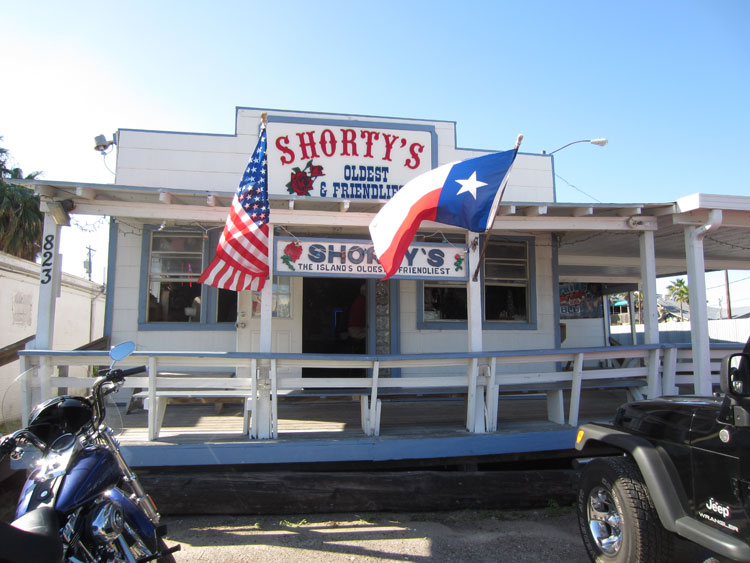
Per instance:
(334,321)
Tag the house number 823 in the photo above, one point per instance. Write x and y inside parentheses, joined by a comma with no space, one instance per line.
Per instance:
(47,247)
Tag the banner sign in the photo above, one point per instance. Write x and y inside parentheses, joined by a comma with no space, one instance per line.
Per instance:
(356,259)
(581,301)
(344,161)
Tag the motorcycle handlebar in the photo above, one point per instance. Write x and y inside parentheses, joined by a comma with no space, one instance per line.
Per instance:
(9,443)
(132,371)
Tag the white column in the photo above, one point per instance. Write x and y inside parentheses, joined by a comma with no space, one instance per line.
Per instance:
(649,310)
(49,283)
(698,309)
(49,290)
(474,293)
(476,399)
(264,425)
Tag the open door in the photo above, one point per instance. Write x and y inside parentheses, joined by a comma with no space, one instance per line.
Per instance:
(334,321)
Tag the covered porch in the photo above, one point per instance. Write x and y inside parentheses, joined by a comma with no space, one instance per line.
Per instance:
(486,391)
(502,403)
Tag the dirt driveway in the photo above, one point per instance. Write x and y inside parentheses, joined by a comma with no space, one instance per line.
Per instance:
(466,536)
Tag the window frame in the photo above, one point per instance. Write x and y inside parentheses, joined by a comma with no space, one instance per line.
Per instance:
(209,295)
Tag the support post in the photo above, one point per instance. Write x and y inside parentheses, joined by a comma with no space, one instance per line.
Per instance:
(474,310)
(49,290)
(698,310)
(575,390)
(266,425)
(649,309)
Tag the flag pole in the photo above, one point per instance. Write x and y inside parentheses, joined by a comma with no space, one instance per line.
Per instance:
(492,220)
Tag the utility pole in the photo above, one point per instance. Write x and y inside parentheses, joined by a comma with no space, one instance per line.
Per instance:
(729,302)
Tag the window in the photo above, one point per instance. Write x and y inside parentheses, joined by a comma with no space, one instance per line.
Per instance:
(507,282)
(175,264)
(444,302)
(281,300)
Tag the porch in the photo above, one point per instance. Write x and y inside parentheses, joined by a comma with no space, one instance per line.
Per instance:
(493,403)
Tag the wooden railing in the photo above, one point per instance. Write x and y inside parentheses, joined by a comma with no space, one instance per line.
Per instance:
(9,353)
(260,380)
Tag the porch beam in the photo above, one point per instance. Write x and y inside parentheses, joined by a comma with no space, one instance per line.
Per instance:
(286,216)
(86,193)
(676,264)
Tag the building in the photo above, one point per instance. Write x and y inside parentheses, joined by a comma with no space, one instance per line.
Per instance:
(538,291)
(79,319)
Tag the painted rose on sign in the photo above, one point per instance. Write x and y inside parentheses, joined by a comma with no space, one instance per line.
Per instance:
(459,262)
(302,180)
(292,252)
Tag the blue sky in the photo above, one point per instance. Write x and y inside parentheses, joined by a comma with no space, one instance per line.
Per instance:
(666,82)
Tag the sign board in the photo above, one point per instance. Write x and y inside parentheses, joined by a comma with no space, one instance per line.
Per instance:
(581,301)
(345,160)
(356,259)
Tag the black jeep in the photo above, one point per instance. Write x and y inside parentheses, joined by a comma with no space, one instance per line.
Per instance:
(671,466)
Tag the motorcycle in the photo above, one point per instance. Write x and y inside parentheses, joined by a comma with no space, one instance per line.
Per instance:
(82,503)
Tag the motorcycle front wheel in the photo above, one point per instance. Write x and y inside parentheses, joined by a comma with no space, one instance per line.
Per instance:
(131,547)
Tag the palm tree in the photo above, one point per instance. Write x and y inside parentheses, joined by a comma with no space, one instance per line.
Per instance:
(20,217)
(678,291)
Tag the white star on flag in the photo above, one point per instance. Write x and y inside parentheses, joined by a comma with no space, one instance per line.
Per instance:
(470,185)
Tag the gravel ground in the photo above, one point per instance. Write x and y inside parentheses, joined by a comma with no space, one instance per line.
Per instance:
(466,536)
(533,536)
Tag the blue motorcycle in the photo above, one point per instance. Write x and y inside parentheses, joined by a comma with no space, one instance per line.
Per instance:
(82,503)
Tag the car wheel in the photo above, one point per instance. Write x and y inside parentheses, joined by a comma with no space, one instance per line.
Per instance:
(616,515)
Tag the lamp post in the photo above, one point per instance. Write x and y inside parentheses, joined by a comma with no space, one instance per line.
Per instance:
(598,142)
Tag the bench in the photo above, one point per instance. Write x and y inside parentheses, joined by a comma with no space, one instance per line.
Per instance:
(194,387)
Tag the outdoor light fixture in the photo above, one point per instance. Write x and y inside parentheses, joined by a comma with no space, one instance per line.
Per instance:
(60,210)
(102,144)
(598,142)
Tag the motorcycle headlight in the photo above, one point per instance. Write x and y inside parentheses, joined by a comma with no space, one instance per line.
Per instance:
(105,522)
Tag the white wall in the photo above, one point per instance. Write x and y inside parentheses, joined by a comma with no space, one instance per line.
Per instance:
(726,330)
(216,162)
(79,317)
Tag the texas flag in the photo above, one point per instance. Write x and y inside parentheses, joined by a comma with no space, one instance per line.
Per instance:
(464,194)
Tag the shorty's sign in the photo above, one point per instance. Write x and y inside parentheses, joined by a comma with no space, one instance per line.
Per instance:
(356,259)
(344,161)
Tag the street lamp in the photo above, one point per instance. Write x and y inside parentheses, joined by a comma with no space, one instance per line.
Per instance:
(599,142)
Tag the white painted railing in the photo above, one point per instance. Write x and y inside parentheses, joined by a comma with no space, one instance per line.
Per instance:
(484,377)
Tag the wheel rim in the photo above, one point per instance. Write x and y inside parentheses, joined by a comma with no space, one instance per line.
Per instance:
(605,521)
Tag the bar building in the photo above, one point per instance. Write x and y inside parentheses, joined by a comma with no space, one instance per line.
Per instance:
(533,320)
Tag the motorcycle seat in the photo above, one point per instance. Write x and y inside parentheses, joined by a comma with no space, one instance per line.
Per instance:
(35,536)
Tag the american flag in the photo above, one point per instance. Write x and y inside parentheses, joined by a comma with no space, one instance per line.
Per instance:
(241,260)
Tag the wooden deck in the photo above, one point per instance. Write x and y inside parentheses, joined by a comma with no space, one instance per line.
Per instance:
(329,430)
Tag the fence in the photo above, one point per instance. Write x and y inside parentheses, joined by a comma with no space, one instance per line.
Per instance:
(483,377)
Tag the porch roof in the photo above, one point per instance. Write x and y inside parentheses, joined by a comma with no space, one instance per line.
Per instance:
(596,242)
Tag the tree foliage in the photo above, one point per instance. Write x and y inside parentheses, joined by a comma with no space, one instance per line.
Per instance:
(678,291)
(20,217)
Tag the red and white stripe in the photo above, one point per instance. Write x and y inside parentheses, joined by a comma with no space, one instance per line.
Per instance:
(395,225)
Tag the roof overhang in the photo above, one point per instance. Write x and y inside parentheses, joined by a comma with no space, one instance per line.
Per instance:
(594,242)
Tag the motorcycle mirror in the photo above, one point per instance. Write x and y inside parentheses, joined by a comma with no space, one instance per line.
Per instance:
(122,351)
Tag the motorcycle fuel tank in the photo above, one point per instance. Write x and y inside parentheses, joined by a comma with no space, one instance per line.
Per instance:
(91,473)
